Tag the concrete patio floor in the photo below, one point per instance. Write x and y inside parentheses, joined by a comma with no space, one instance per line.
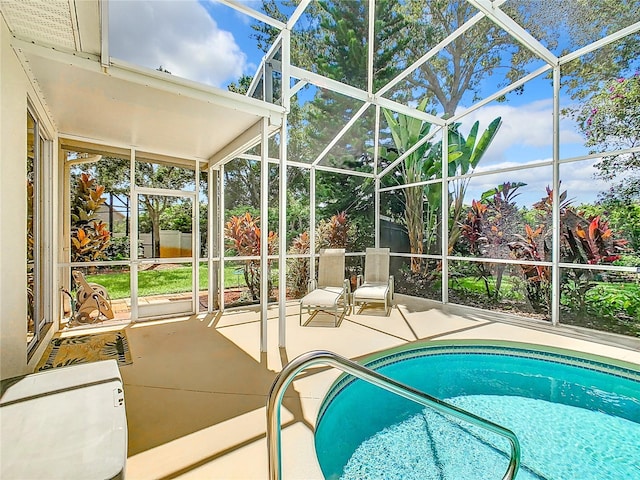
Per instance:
(195,394)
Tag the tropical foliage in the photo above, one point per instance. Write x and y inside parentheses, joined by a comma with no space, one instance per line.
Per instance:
(610,120)
(89,235)
(422,162)
(583,240)
(243,234)
(336,232)
(410,133)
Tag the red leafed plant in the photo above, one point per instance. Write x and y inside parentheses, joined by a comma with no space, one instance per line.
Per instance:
(244,236)
(538,285)
(472,229)
(595,244)
(582,240)
(89,235)
(331,233)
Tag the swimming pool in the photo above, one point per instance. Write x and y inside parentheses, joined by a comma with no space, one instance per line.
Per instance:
(576,417)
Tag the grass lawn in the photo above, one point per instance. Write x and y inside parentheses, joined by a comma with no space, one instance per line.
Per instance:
(165,281)
(509,287)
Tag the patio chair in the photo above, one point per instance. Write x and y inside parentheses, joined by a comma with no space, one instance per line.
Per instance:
(378,284)
(331,291)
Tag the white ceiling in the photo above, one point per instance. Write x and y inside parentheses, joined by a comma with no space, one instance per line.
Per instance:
(99,106)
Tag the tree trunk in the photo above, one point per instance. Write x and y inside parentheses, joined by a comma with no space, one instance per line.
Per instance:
(154,217)
(413,214)
(499,273)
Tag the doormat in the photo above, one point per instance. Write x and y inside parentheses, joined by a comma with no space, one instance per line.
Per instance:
(64,351)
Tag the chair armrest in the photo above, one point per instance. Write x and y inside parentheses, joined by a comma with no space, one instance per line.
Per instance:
(358,280)
(391,285)
(346,285)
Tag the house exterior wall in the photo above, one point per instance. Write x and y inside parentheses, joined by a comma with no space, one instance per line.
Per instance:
(15,90)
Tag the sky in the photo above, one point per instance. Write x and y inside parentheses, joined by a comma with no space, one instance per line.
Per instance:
(184,38)
(209,42)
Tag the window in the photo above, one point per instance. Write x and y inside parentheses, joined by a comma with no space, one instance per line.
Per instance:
(35,235)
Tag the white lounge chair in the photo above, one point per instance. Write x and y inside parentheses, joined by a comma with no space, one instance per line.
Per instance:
(331,292)
(378,284)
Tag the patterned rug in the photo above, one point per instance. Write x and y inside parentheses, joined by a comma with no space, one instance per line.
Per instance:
(65,351)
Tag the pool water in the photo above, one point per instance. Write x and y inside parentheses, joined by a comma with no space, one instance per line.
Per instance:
(575,419)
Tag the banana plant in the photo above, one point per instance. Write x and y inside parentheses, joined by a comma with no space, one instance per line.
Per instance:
(464,156)
(416,167)
(426,163)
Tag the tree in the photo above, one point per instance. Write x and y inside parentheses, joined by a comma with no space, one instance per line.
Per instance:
(610,120)
(241,86)
(464,156)
(476,55)
(416,167)
(331,39)
(113,173)
(575,24)
(242,183)
(341,38)
(160,176)
(425,163)
(349,194)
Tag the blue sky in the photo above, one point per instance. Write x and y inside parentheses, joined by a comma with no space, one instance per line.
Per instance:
(207,41)
(181,37)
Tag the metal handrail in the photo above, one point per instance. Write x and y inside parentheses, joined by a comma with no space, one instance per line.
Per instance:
(306,360)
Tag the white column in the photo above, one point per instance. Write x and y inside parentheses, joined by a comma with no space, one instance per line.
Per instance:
(195,243)
(376,159)
(104,33)
(282,257)
(444,214)
(264,234)
(212,240)
(555,250)
(221,240)
(312,223)
(134,240)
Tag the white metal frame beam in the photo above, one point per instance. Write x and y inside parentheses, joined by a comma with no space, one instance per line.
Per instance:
(496,15)
(614,37)
(244,8)
(264,237)
(295,16)
(340,134)
(242,143)
(104,33)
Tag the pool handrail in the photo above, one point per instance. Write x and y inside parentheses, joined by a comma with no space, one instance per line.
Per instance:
(315,357)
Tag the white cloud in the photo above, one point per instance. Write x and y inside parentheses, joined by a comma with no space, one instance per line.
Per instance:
(536,180)
(179,35)
(580,181)
(529,125)
(526,137)
(577,178)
